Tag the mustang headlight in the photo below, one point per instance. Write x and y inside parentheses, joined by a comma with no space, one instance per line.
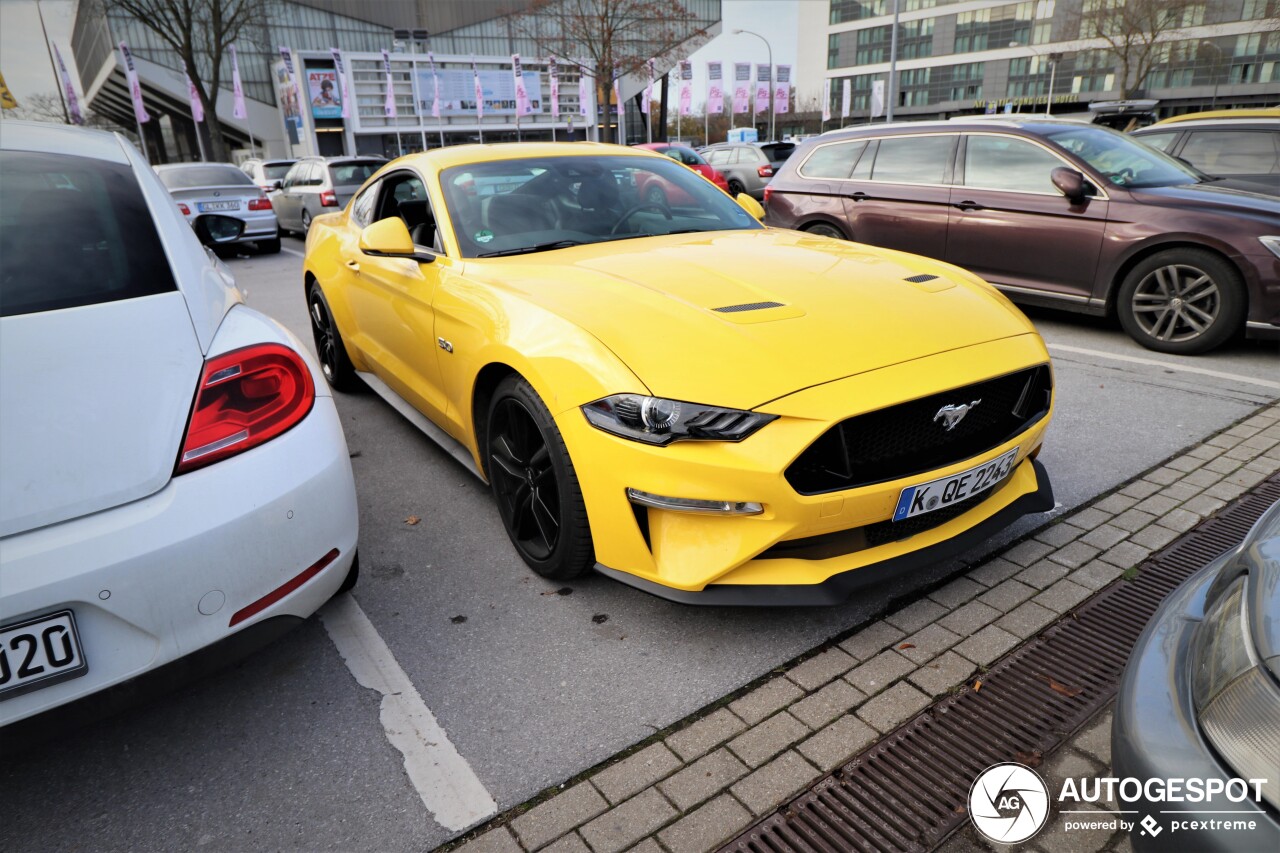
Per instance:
(655,420)
(1237,704)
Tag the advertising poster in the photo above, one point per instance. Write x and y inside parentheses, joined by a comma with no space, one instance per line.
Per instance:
(326,97)
(287,95)
(741,86)
(764,87)
(782,90)
(715,87)
(458,88)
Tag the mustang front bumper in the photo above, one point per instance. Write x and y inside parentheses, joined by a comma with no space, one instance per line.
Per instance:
(732,559)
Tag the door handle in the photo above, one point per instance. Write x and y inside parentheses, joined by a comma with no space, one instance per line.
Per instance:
(355,267)
(969,205)
(859,196)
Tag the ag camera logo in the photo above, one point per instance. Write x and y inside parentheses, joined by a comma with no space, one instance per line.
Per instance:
(1009,803)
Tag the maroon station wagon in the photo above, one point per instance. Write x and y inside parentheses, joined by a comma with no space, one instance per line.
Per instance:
(1053,212)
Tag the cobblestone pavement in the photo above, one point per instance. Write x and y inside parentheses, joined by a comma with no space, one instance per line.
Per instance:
(701,782)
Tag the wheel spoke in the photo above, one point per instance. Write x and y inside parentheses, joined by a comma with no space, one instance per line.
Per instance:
(1155,327)
(1189,310)
(506,459)
(546,521)
(1162,279)
(1210,290)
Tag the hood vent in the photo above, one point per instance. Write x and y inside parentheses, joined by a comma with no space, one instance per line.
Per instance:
(920,279)
(747,306)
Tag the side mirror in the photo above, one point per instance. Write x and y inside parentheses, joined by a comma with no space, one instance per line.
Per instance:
(215,230)
(750,205)
(390,238)
(1070,182)
(277,185)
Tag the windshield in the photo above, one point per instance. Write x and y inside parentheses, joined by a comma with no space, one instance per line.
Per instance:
(1123,161)
(534,204)
(186,177)
(353,173)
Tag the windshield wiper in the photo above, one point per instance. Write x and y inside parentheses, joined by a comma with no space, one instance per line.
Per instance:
(526,250)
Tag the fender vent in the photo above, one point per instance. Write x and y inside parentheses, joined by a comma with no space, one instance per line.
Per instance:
(920,279)
(747,306)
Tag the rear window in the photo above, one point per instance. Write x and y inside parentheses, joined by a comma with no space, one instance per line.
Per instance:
(186,177)
(778,151)
(276,171)
(353,173)
(74,231)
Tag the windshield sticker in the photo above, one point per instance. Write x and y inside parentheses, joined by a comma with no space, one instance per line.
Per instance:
(484,235)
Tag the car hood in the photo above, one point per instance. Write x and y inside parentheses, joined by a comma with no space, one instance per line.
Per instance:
(1210,196)
(740,318)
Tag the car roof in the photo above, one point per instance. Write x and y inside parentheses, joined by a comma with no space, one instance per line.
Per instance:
(461,155)
(1218,115)
(61,139)
(174,167)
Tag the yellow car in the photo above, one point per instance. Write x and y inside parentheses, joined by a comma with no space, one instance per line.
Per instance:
(676,396)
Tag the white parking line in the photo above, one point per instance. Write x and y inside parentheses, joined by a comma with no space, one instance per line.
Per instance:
(292,251)
(447,785)
(1167,365)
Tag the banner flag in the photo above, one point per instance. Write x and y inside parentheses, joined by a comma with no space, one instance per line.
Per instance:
(555,85)
(648,89)
(584,95)
(686,87)
(764,85)
(238,108)
(197,108)
(342,81)
(715,87)
(826,100)
(741,86)
(877,98)
(523,107)
(435,86)
(846,99)
(135,89)
(389,103)
(782,90)
(287,56)
(475,76)
(73,104)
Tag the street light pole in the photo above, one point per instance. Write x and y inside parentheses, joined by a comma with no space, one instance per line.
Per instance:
(769,48)
(892,96)
(1217,69)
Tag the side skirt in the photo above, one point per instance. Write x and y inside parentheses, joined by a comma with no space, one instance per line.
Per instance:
(447,443)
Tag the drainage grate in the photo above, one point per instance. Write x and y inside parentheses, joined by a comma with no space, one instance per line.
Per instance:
(747,306)
(907,793)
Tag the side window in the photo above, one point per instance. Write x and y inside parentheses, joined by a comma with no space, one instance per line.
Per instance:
(295,176)
(1234,152)
(1158,141)
(672,153)
(719,157)
(688,157)
(318,171)
(1007,163)
(833,161)
(862,172)
(913,159)
(405,196)
(362,207)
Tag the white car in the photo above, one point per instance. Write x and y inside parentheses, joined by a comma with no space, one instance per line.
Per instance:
(173,475)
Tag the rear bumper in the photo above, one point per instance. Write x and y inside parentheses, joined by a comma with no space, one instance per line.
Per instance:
(159,578)
(838,588)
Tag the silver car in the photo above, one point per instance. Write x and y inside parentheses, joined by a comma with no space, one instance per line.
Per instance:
(747,166)
(1200,703)
(268,174)
(317,185)
(222,204)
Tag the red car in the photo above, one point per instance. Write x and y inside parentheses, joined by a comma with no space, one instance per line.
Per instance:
(684,155)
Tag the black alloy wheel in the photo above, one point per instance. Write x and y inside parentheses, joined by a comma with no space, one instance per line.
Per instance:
(335,365)
(534,483)
(306,221)
(736,187)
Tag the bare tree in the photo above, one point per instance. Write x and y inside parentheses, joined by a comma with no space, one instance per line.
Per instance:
(200,31)
(1133,31)
(613,37)
(47,106)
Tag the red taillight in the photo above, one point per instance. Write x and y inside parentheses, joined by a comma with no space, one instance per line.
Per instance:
(261,203)
(186,211)
(765,171)
(246,397)
(328,199)
(768,191)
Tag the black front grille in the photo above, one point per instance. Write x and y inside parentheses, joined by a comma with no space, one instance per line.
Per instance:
(911,438)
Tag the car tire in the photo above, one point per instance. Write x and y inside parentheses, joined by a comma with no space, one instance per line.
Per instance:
(825,229)
(655,195)
(736,187)
(1203,291)
(332,352)
(306,222)
(534,484)
(353,575)
(269,247)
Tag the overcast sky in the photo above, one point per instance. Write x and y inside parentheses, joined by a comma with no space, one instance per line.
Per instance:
(775,20)
(24,59)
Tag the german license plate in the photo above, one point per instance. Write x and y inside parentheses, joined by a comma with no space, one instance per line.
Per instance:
(207,206)
(39,652)
(939,494)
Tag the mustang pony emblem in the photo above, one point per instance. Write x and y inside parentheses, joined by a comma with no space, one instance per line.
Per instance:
(952,415)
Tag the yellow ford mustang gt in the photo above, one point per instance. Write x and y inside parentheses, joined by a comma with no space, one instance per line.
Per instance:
(658,387)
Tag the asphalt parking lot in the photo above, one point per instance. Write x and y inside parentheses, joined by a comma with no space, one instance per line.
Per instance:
(531,682)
